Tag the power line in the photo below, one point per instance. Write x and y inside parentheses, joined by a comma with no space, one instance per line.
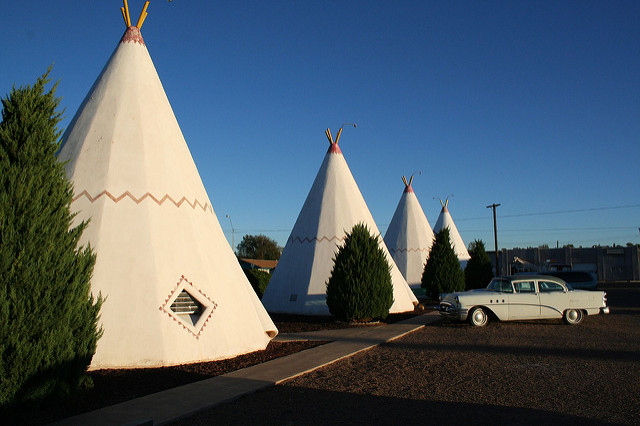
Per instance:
(620,228)
(572,211)
(592,209)
(601,228)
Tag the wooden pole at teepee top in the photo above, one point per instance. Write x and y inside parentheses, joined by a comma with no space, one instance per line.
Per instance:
(338,135)
(125,13)
(328,133)
(143,15)
(124,16)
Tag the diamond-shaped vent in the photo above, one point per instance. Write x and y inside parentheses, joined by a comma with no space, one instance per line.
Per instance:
(189,306)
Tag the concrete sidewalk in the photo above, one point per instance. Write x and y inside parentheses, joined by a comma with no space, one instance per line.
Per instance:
(172,404)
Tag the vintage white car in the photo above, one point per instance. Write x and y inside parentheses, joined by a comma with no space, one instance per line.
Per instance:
(523,297)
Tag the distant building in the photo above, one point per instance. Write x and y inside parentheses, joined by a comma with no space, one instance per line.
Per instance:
(609,264)
(260,264)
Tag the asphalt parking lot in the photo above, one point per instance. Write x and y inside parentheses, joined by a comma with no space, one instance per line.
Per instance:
(505,373)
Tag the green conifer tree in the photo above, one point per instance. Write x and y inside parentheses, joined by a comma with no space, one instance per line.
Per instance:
(478,272)
(359,288)
(442,273)
(259,280)
(48,318)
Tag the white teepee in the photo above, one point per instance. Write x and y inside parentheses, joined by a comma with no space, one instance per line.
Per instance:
(446,221)
(334,205)
(174,290)
(409,236)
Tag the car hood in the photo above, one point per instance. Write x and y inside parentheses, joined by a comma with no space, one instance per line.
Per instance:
(450,297)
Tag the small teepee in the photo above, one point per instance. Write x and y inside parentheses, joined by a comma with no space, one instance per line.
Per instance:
(446,221)
(334,205)
(174,290)
(409,237)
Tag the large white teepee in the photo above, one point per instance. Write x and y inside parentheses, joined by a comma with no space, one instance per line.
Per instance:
(174,290)
(446,221)
(334,205)
(409,236)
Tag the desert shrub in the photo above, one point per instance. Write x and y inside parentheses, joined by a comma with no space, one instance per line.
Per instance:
(442,273)
(258,279)
(359,288)
(48,318)
(478,272)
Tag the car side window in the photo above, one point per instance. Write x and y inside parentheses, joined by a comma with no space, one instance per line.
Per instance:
(500,285)
(506,287)
(525,287)
(547,286)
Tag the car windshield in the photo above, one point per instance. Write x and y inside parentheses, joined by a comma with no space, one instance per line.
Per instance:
(573,277)
(548,286)
(498,284)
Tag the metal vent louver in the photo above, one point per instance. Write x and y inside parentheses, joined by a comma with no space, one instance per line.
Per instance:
(185,304)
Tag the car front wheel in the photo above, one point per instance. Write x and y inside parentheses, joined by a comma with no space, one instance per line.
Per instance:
(572,316)
(478,317)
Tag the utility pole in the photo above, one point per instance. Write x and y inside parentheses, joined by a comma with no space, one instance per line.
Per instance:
(233,236)
(495,235)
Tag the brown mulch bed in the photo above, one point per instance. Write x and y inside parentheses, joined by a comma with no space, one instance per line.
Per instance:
(113,386)
(287,323)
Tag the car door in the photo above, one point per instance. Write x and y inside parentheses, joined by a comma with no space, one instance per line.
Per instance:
(524,303)
(499,290)
(554,299)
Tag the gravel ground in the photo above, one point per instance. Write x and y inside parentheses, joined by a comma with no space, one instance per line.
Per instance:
(505,373)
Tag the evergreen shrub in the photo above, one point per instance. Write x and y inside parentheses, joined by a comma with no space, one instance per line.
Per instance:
(478,272)
(359,288)
(258,279)
(442,273)
(48,318)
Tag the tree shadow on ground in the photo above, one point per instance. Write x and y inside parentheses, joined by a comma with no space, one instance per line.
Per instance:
(289,405)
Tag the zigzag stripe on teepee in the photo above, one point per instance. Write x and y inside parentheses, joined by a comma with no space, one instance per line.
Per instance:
(411,250)
(136,200)
(316,239)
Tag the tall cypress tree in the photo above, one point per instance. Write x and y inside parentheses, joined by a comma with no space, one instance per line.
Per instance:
(360,288)
(478,272)
(48,318)
(442,273)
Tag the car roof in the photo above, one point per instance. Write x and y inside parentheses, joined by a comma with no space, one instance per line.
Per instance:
(532,277)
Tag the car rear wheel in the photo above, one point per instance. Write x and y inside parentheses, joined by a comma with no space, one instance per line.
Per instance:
(572,316)
(478,317)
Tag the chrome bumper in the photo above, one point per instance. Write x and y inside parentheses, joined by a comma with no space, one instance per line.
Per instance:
(604,310)
(447,310)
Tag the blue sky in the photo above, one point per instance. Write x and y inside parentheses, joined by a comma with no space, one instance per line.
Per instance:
(531,104)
